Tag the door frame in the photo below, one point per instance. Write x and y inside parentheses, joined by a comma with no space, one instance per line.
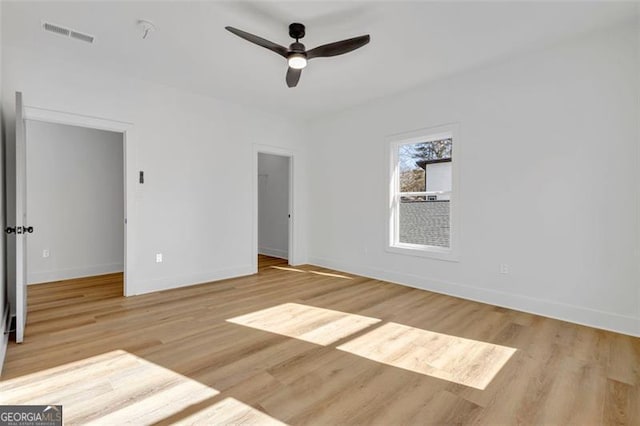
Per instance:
(267,149)
(128,143)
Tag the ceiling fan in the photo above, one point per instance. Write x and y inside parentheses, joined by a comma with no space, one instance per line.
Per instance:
(296,55)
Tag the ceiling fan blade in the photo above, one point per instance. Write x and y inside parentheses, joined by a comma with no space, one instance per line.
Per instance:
(338,48)
(293,76)
(280,50)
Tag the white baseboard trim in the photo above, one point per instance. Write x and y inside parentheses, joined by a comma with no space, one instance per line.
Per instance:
(41,277)
(280,254)
(137,287)
(4,337)
(565,312)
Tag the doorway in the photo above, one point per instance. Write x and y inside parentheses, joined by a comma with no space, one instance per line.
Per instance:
(274,206)
(17,226)
(75,203)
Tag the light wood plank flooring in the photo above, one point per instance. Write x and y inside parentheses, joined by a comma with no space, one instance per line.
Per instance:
(312,346)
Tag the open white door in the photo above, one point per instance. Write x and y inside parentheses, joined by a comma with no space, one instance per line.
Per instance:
(16,222)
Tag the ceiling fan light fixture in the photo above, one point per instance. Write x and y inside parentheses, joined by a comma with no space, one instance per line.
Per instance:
(297,61)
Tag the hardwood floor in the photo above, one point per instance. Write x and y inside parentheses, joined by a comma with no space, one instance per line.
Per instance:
(312,346)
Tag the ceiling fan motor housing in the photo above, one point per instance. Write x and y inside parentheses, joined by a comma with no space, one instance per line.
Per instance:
(296,30)
(297,47)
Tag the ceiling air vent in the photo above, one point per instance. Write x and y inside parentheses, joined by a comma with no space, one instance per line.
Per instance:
(57,29)
(80,36)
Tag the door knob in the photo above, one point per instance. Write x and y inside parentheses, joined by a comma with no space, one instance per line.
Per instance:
(19,229)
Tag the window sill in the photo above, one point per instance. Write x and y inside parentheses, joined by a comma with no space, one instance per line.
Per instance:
(431,252)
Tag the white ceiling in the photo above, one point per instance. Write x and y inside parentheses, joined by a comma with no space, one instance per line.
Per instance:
(411,42)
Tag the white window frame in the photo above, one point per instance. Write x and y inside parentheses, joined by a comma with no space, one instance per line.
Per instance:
(424,135)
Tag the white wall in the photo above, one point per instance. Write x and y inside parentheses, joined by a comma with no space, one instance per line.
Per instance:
(196,204)
(534,129)
(273,205)
(637,30)
(75,201)
(4,308)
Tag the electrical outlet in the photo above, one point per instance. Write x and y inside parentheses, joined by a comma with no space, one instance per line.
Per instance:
(158,257)
(504,268)
(45,253)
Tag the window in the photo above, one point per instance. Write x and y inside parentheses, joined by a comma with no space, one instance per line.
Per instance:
(422,193)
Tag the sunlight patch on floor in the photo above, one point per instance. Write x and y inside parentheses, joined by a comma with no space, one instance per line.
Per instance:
(464,361)
(330,274)
(229,411)
(326,274)
(113,388)
(308,323)
(285,268)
